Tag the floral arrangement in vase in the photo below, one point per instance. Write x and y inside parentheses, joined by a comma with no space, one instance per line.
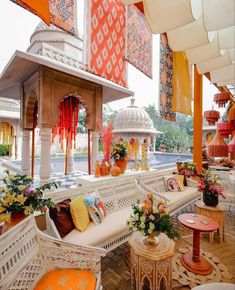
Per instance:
(18,196)
(119,152)
(188,169)
(210,187)
(151,219)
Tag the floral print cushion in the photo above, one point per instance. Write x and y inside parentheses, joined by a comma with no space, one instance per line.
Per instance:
(95,207)
(172,184)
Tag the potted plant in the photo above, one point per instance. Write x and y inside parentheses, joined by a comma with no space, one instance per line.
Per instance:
(119,153)
(18,197)
(210,187)
(151,219)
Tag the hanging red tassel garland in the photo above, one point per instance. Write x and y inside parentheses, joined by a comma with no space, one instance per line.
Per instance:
(68,121)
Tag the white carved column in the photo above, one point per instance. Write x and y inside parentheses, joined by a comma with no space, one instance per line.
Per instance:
(154,142)
(70,159)
(94,149)
(45,166)
(25,156)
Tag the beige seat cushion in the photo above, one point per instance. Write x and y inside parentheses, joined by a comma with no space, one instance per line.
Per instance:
(113,224)
(178,199)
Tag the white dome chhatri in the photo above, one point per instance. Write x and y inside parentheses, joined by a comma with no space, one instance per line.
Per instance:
(54,43)
(133,119)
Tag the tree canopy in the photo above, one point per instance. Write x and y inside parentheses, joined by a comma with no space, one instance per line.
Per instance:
(177,136)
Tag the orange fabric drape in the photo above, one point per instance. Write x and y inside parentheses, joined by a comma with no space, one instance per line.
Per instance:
(182,92)
(197,121)
(38,7)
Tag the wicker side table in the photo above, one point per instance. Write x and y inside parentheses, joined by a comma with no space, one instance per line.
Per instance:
(151,265)
(215,213)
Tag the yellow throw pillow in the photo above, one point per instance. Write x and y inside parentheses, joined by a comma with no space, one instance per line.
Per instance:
(79,213)
(180,179)
(64,279)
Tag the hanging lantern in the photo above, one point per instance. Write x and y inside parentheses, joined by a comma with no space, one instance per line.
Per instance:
(217,147)
(211,116)
(231,148)
(231,114)
(231,145)
(225,129)
(221,99)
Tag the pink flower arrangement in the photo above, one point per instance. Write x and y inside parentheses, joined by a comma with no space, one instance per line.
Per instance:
(209,184)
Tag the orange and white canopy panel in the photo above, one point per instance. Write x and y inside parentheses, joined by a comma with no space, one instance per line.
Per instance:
(204,29)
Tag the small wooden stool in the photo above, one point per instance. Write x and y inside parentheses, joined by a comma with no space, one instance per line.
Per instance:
(151,265)
(215,213)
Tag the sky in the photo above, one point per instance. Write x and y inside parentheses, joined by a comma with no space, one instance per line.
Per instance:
(17,24)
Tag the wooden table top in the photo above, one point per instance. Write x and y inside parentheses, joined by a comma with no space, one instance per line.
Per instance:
(198,222)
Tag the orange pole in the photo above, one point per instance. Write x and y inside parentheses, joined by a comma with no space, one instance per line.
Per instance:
(89,150)
(197,120)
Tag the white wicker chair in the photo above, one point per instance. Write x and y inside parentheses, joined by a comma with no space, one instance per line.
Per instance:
(26,254)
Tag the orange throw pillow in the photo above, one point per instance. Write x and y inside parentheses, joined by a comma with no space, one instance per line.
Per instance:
(64,279)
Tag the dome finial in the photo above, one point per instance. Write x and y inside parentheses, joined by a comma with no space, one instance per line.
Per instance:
(132,101)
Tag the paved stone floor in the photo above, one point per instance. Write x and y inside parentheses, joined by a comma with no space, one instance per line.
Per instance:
(116,265)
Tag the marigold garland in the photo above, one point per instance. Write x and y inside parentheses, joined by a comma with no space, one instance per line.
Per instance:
(68,121)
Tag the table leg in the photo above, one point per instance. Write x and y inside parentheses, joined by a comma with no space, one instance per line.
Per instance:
(196,246)
(193,261)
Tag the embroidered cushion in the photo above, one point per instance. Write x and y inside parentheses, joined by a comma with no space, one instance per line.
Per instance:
(172,183)
(61,216)
(79,213)
(95,207)
(64,279)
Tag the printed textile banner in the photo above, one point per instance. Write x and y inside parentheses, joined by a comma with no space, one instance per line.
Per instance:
(166,80)
(139,41)
(63,14)
(105,45)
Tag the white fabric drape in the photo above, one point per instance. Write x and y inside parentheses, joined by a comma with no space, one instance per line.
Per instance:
(165,15)
(204,29)
(189,36)
(214,63)
(225,83)
(223,74)
(231,53)
(204,52)
(218,14)
(227,37)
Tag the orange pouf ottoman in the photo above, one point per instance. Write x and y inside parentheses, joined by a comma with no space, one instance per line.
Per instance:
(67,279)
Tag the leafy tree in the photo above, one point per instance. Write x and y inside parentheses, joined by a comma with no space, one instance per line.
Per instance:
(177,135)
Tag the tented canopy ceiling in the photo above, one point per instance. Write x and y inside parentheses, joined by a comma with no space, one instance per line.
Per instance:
(204,29)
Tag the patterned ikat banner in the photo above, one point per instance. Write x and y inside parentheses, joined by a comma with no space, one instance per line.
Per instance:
(63,14)
(166,80)
(139,41)
(106,40)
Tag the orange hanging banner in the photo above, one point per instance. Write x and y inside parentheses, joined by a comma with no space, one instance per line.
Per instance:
(38,7)
(197,120)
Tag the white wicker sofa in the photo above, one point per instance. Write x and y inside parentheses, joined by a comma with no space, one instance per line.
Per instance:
(26,254)
(118,198)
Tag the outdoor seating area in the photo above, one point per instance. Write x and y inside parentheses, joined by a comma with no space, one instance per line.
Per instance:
(117,145)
